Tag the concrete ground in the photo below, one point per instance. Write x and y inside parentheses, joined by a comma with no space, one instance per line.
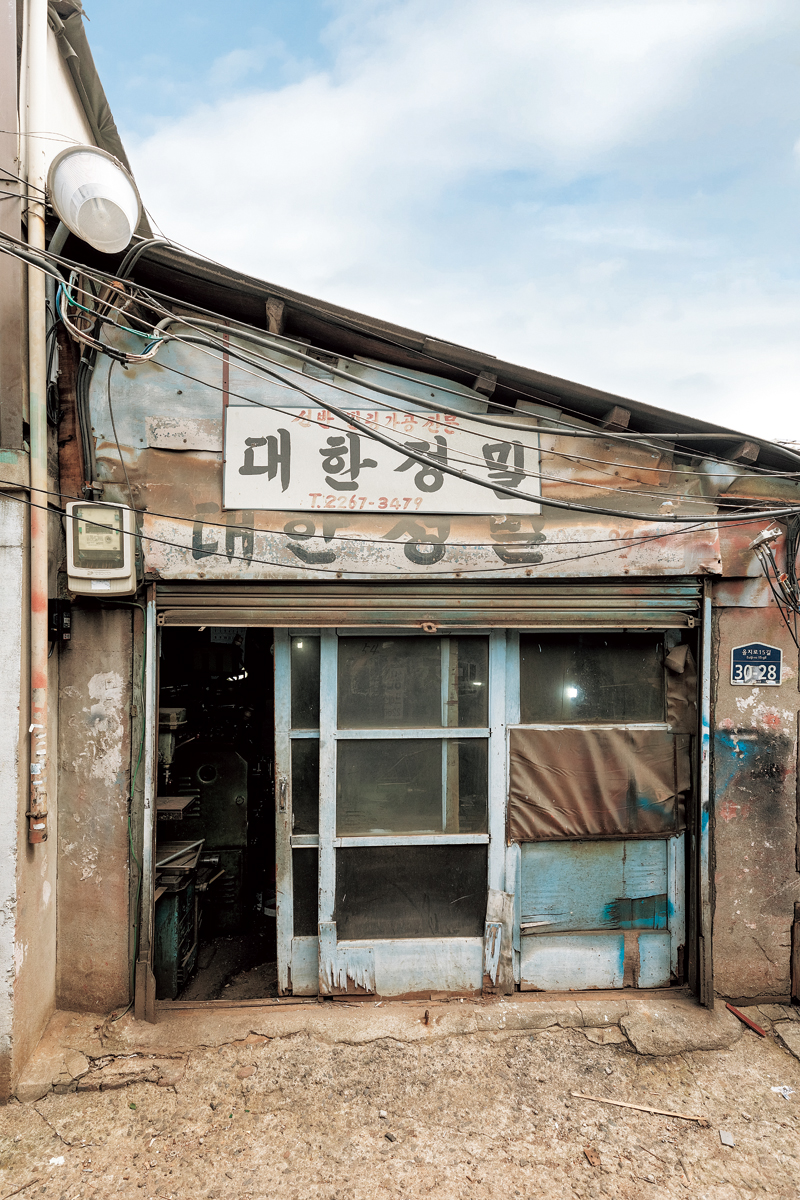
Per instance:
(342,1100)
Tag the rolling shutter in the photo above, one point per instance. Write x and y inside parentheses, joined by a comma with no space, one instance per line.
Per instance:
(643,604)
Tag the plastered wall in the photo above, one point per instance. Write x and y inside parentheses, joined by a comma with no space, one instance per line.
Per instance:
(93,881)
(12,637)
(754,789)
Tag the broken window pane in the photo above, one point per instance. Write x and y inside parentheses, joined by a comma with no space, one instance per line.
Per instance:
(410,891)
(305,887)
(396,786)
(390,682)
(305,682)
(588,677)
(305,785)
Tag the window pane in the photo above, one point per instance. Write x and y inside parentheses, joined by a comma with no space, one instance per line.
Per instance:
(386,787)
(472,764)
(468,682)
(390,682)
(586,677)
(410,891)
(305,682)
(305,887)
(305,785)
(389,787)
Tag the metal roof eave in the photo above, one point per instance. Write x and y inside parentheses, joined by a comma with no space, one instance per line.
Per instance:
(244,297)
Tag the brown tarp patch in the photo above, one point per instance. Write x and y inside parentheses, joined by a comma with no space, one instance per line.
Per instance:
(681,690)
(590,783)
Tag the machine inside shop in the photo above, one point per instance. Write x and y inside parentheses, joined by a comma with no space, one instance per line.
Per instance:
(214,920)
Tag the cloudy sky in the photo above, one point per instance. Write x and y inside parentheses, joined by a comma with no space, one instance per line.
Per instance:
(607,190)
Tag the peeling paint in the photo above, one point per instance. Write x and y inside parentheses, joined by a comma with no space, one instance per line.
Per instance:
(104,730)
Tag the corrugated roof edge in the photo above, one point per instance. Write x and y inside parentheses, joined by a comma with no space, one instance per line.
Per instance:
(202,277)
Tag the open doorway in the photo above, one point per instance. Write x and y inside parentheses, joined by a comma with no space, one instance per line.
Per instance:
(214,921)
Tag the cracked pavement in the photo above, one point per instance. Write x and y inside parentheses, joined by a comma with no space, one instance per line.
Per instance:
(353,1103)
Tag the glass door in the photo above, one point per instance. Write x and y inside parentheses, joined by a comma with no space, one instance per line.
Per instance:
(390,774)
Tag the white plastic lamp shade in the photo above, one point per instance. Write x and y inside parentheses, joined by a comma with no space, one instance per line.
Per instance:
(95,197)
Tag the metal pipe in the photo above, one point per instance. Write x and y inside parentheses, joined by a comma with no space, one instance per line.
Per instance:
(706,913)
(37,393)
(148,818)
(162,862)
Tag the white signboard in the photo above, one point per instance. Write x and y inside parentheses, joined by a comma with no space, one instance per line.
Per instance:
(309,459)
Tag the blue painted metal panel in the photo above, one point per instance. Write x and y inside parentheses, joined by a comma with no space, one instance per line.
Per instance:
(594,885)
(305,966)
(654,960)
(573,961)
(406,965)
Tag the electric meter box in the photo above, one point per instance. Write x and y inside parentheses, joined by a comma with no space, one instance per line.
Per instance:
(101,558)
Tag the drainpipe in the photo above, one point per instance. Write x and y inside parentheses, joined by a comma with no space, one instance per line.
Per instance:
(36,125)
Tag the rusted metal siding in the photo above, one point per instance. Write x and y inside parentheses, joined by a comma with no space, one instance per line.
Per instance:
(755,798)
(169,428)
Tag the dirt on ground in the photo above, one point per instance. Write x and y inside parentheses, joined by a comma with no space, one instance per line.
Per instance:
(471,1116)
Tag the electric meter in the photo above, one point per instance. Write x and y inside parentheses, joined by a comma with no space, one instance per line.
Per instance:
(100,549)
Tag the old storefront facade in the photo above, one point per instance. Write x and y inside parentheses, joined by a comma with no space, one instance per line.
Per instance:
(378,666)
(446,736)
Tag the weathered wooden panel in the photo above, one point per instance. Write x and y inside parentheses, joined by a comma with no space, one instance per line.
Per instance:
(305,966)
(654,960)
(594,885)
(572,961)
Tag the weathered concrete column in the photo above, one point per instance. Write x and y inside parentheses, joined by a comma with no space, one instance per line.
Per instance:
(93,964)
(755,812)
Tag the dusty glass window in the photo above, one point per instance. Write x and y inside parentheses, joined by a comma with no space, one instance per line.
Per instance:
(410,891)
(411,785)
(305,871)
(591,677)
(305,785)
(385,682)
(466,663)
(305,682)
(413,682)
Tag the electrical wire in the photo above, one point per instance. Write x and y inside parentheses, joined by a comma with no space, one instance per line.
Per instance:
(436,464)
(402,448)
(114,428)
(557,425)
(767,560)
(432,462)
(7,176)
(226,349)
(543,400)
(339,572)
(430,518)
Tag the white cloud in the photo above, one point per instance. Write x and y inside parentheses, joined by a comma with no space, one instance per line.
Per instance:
(380,184)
